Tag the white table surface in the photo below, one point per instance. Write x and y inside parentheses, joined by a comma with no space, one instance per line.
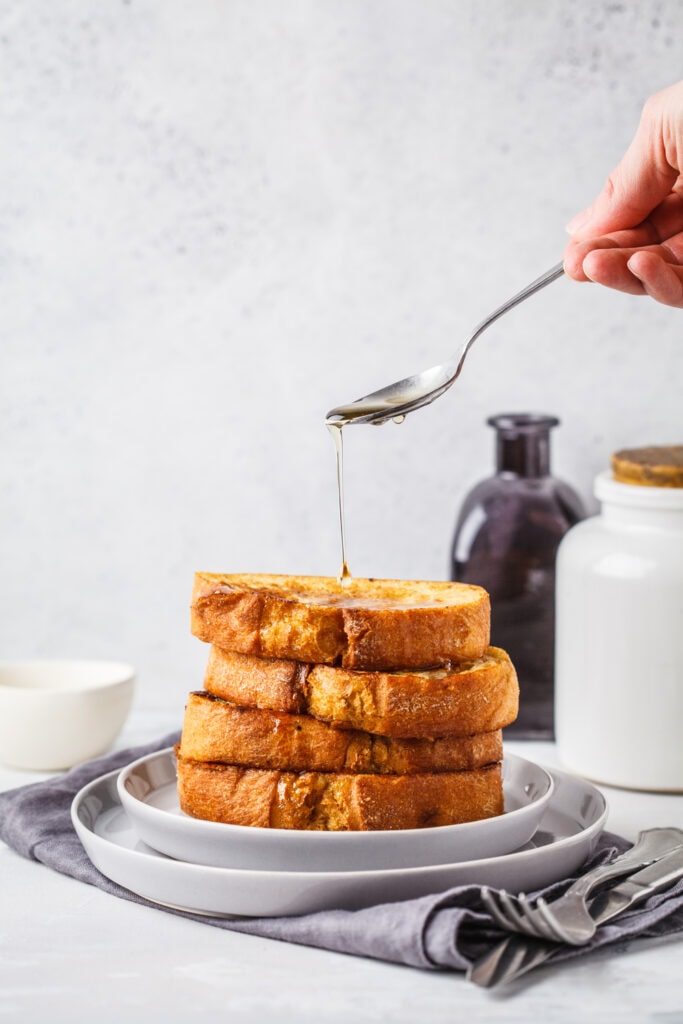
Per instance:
(69,952)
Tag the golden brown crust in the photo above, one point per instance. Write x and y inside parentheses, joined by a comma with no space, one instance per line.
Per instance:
(467,699)
(337,801)
(257,682)
(358,623)
(654,466)
(471,698)
(217,730)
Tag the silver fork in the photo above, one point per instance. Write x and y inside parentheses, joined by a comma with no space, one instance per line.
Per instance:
(567,919)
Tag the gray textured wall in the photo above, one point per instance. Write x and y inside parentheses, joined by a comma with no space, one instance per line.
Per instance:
(219,219)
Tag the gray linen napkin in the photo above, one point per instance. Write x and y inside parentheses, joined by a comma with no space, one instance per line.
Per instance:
(448,930)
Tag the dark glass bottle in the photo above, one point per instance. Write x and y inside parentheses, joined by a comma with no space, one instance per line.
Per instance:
(506,540)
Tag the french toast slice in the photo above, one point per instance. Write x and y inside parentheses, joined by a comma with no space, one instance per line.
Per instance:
(362,624)
(218,730)
(462,700)
(336,801)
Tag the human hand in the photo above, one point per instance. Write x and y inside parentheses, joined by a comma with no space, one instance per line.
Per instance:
(631,237)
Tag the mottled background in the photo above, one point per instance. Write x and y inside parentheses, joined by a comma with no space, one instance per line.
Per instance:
(219,219)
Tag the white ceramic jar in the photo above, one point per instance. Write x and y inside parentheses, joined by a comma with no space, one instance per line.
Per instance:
(619,639)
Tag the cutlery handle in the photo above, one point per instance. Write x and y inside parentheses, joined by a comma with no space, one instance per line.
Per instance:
(651,845)
(638,887)
(535,286)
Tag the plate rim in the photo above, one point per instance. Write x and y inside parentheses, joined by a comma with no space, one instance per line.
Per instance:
(322,837)
(236,874)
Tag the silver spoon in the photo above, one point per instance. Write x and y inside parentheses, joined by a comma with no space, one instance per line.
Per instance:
(395,401)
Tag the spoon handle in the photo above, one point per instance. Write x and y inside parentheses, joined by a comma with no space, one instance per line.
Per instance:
(535,286)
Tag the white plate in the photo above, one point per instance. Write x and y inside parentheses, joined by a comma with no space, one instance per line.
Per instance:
(147,790)
(566,836)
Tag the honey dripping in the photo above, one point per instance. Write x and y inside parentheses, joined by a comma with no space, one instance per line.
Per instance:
(335,430)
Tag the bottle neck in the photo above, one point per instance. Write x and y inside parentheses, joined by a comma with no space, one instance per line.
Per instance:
(523,444)
(525,455)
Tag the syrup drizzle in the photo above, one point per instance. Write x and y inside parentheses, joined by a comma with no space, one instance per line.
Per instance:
(335,430)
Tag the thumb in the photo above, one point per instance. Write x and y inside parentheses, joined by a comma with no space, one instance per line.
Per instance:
(639,182)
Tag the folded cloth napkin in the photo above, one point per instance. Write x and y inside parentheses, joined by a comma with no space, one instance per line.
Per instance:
(448,930)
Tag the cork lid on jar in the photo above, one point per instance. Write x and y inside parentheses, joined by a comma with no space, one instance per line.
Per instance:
(655,466)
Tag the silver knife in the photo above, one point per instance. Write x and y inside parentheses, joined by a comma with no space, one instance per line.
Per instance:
(517,954)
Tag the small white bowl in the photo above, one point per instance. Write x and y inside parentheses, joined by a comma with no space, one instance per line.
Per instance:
(55,714)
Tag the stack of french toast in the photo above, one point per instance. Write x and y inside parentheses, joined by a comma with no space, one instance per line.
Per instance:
(359,704)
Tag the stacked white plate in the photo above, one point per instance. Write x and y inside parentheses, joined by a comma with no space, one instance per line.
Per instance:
(134,832)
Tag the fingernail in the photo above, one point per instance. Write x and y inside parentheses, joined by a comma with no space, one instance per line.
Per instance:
(629,264)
